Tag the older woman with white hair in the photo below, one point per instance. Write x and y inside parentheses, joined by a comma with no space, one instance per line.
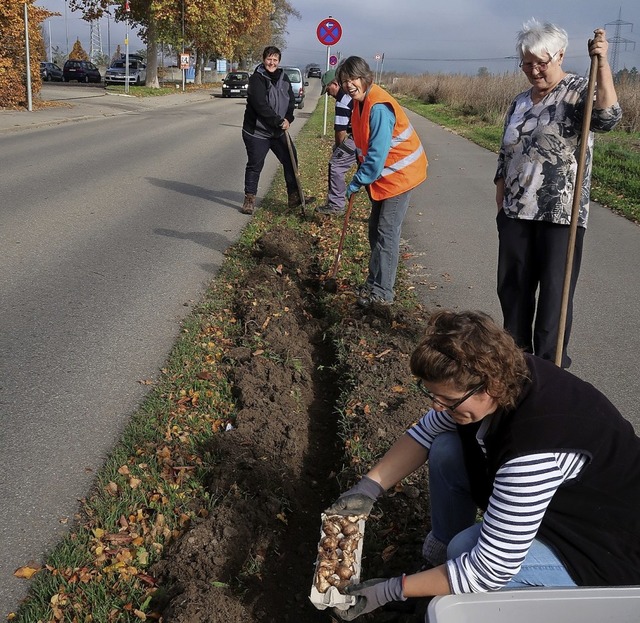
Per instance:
(535,182)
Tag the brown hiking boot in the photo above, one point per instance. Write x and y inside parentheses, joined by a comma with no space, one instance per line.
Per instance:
(249,204)
(294,200)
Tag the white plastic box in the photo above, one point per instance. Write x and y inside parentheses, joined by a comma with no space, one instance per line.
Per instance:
(540,605)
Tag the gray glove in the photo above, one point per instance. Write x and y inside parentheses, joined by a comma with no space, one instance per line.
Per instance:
(358,500)
(371,595)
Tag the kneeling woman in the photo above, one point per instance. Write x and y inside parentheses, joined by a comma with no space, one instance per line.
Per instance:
(546,456)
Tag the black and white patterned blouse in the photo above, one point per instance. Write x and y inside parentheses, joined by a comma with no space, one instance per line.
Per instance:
(540,146)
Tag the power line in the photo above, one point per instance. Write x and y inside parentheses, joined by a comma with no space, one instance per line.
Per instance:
(616,41)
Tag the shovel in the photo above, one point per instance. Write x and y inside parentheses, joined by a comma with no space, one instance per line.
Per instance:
(575,209)
(331,285)
(296,173)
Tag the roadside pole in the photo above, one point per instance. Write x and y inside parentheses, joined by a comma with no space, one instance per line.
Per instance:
(326,96)
(28,63)
(127,10)
(328,32)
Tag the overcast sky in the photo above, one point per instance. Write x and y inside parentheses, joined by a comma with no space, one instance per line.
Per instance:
(416,36)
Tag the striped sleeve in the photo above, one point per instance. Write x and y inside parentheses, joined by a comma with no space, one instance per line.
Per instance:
(344,107)
(430,425)
(522,490)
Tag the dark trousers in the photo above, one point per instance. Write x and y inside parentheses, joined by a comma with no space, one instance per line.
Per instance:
(532,258)
(257,150)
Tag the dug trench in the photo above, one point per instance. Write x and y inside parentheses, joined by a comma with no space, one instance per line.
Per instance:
(322,389)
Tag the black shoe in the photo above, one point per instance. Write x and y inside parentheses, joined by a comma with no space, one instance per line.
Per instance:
(328,210)
(373,299)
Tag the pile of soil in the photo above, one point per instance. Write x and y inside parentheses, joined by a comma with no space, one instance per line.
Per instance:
(309,383)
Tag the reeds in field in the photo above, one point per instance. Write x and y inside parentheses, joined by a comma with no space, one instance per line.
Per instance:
(488,96)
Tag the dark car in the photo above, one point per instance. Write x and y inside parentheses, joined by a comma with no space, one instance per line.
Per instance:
(235,84)
(314,72)
(82,71)
(50,71)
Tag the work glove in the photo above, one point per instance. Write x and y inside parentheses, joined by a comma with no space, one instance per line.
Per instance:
(358,500)
(352,188)
(371,595)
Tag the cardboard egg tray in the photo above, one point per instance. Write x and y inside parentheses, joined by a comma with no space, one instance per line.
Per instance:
(333,598)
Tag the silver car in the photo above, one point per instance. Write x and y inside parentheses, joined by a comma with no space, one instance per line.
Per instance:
(297,84)
(116,74)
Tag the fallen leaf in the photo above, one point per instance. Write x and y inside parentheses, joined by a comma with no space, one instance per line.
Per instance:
(112,489)
(26,572)
(398,389)
(388,552)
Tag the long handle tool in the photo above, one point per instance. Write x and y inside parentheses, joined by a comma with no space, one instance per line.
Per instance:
(575,208)
(296,172)
(331,285)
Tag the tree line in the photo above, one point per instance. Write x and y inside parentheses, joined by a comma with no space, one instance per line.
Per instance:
(206,29)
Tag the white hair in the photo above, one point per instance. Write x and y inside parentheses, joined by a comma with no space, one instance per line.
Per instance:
(540,39)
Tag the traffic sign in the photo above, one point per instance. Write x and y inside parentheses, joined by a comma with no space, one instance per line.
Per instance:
(378,57)
(329,31)
(333,60)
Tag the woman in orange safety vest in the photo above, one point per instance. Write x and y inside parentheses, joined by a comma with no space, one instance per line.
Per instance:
(391,163)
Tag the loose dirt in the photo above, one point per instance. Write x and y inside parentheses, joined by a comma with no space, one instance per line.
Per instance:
(320,396)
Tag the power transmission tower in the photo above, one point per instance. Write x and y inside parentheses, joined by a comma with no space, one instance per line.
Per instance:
(95,37)
(616,41)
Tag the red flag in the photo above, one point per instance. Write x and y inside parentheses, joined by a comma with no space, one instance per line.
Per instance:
(127,8)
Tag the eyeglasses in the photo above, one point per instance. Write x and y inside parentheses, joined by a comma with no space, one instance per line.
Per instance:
(456,404)
(346,82)
(542,66)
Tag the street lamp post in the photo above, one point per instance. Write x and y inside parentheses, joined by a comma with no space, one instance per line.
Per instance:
(66,26)
(183,69)
(127,10)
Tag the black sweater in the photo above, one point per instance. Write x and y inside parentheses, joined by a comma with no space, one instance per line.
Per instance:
(270,100)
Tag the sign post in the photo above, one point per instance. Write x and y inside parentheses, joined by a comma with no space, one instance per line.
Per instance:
(329,32)
(127,10)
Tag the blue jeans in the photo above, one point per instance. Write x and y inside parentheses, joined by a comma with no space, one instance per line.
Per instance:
(385,227)
(453,515)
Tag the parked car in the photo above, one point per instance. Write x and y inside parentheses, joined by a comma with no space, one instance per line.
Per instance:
(235,83)
(297,84)
(314,72)
(50,71)
(117,72)
(82,71)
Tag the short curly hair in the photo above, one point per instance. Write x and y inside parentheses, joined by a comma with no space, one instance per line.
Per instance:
(468,348)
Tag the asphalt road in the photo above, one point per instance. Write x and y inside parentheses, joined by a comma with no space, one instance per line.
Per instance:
(111,227)
(114,217)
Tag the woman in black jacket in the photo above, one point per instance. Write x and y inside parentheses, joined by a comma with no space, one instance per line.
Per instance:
(269,111)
